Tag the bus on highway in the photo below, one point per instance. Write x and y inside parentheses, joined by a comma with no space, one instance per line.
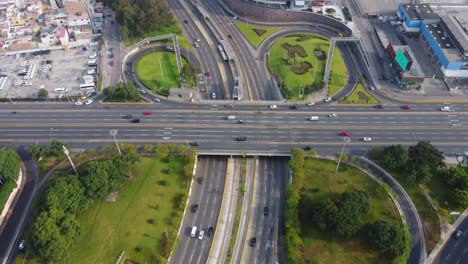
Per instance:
(223,53)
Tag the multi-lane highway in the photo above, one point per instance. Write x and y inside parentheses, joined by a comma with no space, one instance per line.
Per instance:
(267,201)
(207,195)
(270,128)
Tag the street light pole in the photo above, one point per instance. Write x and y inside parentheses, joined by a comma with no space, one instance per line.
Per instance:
(67,153)
(113,133)
(346,140)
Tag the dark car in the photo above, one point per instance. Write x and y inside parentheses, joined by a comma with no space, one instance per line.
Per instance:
(210,231)
(136,120)
(241,139)
(379,106)
(194,208)
(127,116)
(185,21)
(307,148)
(292,107)
(265,210)
(194,144)
(200,180)
(240,122)
(253,241)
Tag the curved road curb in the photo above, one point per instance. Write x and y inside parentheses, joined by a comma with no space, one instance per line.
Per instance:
(417,243)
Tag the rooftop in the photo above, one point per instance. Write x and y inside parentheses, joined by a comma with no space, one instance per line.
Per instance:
(420,11)
(76,10)
(415,70)
(456,19)
(445,42)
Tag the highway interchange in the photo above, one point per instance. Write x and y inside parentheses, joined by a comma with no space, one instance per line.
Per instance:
(268,131)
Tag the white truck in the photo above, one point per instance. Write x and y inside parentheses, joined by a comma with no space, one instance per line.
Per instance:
(193,232)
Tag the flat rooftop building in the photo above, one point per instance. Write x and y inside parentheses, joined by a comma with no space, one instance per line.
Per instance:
(444,30)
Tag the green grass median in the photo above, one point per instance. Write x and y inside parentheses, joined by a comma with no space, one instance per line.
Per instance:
(256,35)
(359,96)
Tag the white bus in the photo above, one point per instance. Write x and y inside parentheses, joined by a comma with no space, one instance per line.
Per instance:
(86,86)
(223,53)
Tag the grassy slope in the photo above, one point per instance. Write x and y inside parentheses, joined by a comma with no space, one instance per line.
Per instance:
(5,191)
(248,32)
(109,228)
(428,215)
(293,81)
(148,71)
(353,98)
(322,183)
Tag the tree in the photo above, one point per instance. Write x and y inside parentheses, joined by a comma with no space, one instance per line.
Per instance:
(52,234)
(325,215)
(64,194)
(460,198)
(36,151)
(456,177)
(55,148)
(388,238)
(395,156)
(189,72)
(9,164)
(148,148)
(123,92)
(42,94)
(162,151)
(424,153)
(95,180)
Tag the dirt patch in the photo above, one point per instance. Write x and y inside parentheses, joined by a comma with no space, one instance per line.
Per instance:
(293,50)
(362,96)
(259,32)
(112,197)
(301,67)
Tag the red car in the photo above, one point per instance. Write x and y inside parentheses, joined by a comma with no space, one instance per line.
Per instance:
(406,107)
(208,74)
(344,134)
(147,113)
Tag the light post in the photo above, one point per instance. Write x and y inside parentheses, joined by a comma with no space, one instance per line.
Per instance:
(50,133)
(346,140)
(113,133)
(67,153)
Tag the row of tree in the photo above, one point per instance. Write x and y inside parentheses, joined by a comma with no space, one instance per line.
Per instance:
(9,170)
(54,149)
(139,17)
(424,161)
(55,228)
(293,242)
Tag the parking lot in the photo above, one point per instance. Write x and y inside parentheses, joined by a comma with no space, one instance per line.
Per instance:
(59,72)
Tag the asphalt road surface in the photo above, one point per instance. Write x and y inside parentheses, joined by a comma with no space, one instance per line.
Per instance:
(455,251)
(269,192)
(208,196)
(14,225)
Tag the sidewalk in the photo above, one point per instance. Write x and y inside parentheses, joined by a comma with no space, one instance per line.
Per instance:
(445,236)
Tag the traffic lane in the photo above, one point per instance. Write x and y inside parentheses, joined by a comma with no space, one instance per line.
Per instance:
(193,250)
(266,223)
(214,82)
(248,251)
(210,210)
(252,136)
(13,229)
(455,250)
(280,207)
(249,118)
(183,251)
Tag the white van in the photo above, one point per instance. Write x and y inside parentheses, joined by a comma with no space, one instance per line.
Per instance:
(193,233)
(231,117)
(314,118)
(60,90)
